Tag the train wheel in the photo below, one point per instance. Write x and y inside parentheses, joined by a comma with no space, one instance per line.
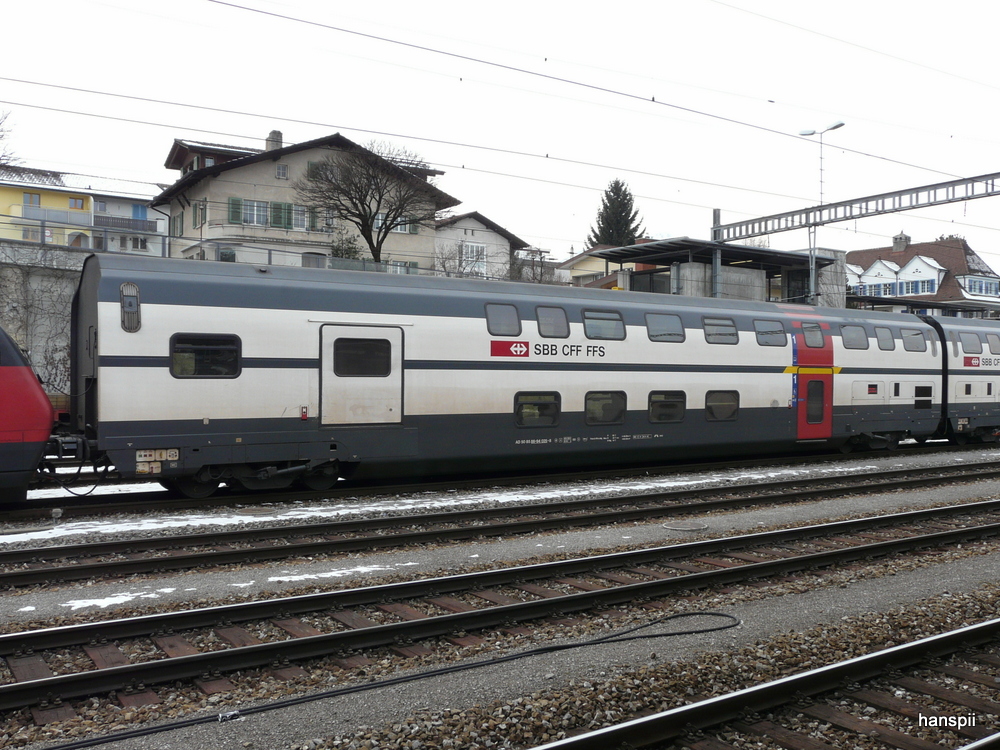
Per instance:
(191,487)
(319,482)
(958,438)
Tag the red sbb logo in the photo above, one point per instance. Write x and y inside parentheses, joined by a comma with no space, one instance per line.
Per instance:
(972,361)
(509,349)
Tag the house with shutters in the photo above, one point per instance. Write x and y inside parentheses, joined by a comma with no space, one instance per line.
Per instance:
(944,277)
(240,204)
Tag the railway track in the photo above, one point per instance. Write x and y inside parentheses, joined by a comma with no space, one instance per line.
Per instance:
(45,565)
(157,499)
(893,696)
(406,618)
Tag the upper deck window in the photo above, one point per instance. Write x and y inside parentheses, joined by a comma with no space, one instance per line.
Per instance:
(971,343)
(603,324)
(886,342)
(552,322)
(913,340)
(770,333)
(813,335)
(660,327)
(854,337)
(503,320)
(720,331)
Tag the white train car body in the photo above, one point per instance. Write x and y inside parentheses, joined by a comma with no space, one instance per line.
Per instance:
(196,373)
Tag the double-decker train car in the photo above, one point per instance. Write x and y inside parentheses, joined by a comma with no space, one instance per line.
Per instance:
(26,421)
(199,373)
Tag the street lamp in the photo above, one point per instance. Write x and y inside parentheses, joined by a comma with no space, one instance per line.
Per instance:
(827,129)
(812,225)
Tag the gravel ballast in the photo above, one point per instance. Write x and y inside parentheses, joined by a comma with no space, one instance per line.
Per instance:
(437,705)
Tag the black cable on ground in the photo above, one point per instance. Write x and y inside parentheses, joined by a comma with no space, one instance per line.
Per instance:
(621,637)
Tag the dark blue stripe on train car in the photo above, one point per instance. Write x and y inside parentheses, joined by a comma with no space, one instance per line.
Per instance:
(285,363)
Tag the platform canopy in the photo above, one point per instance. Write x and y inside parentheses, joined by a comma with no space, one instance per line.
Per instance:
(685,249)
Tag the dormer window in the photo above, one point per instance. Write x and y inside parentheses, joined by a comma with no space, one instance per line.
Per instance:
(209,161)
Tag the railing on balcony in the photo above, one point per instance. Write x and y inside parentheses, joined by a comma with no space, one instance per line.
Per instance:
(71,216)
(123,222)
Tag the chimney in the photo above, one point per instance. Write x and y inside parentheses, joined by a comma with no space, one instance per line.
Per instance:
(900,242)
(273,141)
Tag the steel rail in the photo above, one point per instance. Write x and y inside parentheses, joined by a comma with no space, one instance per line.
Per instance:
(673,724)
(460,520)
(21,694)
(74,506)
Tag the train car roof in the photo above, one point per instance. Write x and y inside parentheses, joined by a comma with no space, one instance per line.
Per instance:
(211,283)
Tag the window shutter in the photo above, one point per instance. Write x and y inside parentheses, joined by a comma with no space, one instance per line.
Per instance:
(414,228)
(313,220)
(281,215)
(235,210)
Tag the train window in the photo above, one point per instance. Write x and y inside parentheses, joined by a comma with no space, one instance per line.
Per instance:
(720,331)
(886,342)
(503,320)
(994,341)
(722,406)
(605,407)
(913,340)
(854,337)
(603,324)
(667,406)
(552,322)
(770,333)
(205,355)
(814,402)
(536,409)
(362,358)
(971,344)
(667,328)
(813,335)
(968,389)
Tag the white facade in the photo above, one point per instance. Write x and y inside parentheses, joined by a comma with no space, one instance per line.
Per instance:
(472,245)
(922,275)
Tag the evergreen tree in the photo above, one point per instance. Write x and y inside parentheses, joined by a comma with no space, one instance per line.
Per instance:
(617,219)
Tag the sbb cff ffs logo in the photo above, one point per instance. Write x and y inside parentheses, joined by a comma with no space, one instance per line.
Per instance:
(509,348)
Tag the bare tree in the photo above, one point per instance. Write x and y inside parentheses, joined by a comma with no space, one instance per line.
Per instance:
(530,266)
(455,260)
(373,189)
(7,157)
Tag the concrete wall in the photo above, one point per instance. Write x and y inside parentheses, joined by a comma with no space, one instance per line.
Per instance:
(37,284)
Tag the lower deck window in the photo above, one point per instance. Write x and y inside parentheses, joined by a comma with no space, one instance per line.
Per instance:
(536,409)
(722,406)
(204,355)
(667,406)
(605,407)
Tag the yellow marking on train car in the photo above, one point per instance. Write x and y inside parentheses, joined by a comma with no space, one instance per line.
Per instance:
(791,370)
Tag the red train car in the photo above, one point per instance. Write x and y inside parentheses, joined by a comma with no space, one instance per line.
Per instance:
(26,419)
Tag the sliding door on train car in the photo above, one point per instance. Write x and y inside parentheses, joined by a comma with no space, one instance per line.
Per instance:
(812,351)
(361,377)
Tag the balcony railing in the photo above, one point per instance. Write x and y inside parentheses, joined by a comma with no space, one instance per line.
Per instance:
(70,216)
(122,222)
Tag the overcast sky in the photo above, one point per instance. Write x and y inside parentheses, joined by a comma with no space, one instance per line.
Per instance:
(532,108)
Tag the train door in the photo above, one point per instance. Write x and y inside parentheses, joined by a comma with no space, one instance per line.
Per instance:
(361,376)
(812,357)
